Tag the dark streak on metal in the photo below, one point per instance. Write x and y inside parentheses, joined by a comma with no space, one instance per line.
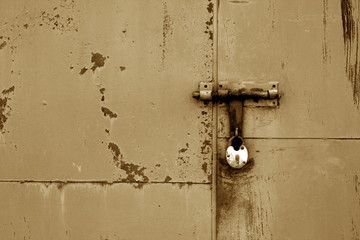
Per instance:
(325,48)
(235,1)
(83,70)
(167,30)
(351,46)
(2,45)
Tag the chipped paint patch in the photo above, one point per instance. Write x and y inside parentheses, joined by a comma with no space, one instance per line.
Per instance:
(83,70)
(117,156)
(98,61)
(168,179)
(4,107)
(2,45)
(108,112)
(134,172)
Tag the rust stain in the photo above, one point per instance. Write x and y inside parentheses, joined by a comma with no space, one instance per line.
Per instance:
(117,156)
(204,167)
(131,170)
(210,7)
(167,30)
(351,46)
(83,70)
(98,60)
(184,149)
(7,91)
(2,45)
(4,108)
(209,30)
(108,112)
(168,179)
(206,147)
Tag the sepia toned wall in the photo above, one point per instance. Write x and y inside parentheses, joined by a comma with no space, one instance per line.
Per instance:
(99,135)
(101,139)
(302,178)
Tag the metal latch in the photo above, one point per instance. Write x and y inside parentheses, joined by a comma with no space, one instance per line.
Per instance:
(237,90)
(235,93)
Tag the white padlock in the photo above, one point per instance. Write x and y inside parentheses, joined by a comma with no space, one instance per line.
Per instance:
(237,158)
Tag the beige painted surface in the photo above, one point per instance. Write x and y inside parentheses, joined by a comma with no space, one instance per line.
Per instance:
(300,45)
(299,183)
(100,92)
(61,119)
(112,212)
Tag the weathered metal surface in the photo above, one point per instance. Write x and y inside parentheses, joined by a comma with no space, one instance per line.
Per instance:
(99,92)
(85,90)
(298,186)
(291,189)
(302,46)
(104,212)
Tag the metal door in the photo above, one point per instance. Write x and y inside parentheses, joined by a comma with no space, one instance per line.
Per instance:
(99,136)
(303,178)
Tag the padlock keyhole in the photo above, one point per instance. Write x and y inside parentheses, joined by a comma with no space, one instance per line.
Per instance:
(236,143)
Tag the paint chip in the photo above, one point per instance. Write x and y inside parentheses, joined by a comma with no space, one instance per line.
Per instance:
(108,112)
(98,60)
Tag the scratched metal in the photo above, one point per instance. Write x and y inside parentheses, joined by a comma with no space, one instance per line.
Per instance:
(296,187)
(102,91)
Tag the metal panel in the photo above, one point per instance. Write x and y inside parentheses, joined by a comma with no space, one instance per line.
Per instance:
(302,46)
(296,185)
(291,189)
(93,211)
(102,90)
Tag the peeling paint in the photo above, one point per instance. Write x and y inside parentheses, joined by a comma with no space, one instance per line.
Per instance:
(168,179)
(83,70)
(132,171)
(7,91)
(2,45)
(98,60)
(204,167)
(117,156)
(108,112)
(4,108)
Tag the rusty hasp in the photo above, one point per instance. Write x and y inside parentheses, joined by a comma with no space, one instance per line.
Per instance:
(226,90)
(235,93)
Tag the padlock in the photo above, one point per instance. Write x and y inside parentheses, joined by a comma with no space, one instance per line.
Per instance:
(236,153)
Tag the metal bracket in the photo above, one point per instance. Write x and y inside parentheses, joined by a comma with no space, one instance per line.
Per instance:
(262,94)
(236,94)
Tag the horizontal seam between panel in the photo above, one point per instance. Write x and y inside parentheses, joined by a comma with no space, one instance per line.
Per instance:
(296,138)
(96,182)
